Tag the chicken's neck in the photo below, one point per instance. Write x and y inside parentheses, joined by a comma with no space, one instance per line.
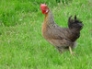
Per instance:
(48,22)
(49,18)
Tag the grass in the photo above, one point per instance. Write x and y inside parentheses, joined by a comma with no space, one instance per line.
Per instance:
(22,45)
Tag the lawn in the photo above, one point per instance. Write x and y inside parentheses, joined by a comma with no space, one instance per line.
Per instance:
(22,45)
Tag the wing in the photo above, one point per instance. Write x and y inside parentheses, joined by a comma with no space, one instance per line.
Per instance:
(58,36)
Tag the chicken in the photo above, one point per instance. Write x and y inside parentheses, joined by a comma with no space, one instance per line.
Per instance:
(62,38)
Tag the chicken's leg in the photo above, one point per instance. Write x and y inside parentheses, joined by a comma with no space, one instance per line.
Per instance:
(70,49)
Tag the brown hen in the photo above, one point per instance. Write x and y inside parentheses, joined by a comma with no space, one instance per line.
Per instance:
(61,38)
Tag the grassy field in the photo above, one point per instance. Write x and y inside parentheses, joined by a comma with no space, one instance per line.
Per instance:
(22,45)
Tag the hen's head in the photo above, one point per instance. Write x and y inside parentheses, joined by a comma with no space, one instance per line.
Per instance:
(44,8)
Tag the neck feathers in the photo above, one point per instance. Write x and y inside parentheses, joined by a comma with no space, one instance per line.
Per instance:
(49,18)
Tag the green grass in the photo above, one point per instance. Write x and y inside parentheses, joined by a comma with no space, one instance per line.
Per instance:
(22,45)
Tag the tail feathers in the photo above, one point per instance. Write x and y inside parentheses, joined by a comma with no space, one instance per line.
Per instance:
(75,23)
